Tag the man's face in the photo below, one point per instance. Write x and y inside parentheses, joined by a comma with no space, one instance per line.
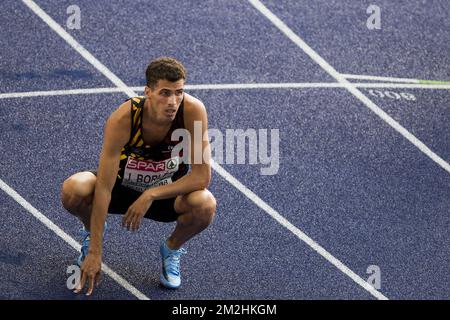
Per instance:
(165,99)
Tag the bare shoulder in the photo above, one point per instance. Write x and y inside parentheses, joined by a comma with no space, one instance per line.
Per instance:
(192,105)
(117,128)
(122,115)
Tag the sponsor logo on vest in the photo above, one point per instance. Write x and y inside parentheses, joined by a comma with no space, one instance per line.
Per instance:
(143,165)
(140,175)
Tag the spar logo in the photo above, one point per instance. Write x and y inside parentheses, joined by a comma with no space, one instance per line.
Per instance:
(151,166)
(143,165)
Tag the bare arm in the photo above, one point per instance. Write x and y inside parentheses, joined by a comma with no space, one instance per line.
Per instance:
(116,135)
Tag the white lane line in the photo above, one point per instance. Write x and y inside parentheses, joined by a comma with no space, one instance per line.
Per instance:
(348,85)
(70,241)
(403,86)
(268,209)
(300,234)
(306,85)
(377,78)
(234,86)
(237,86)
(391,79)
(58,92)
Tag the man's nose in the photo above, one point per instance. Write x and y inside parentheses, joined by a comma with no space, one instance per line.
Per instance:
(172,100)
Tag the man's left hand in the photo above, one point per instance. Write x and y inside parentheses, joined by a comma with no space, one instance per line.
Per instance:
(135,213)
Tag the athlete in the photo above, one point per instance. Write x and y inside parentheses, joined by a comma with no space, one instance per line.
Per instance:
(139,176)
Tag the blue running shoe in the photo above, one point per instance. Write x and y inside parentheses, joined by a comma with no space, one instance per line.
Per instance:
(86,236)
(170,277)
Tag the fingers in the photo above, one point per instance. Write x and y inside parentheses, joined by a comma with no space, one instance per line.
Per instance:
(135,222)
(92,278)
(82,282)
(131,220)
(91,274)
(91,284)
(125,219)
(98,279)
(135,225)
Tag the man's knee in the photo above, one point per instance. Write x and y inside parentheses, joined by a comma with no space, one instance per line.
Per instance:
(201,204)
(78,190)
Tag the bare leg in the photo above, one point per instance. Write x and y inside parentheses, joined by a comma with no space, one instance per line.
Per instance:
(77,194)
(197,211)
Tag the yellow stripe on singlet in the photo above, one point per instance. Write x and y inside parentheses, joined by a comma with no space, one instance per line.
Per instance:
(136,115)
(136,137)
(136,120)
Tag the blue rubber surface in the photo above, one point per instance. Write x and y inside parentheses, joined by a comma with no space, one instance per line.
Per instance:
(353,184)
(413,41)
(346,178)
(33,58)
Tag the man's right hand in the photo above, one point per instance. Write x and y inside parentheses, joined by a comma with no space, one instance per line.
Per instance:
(90,271)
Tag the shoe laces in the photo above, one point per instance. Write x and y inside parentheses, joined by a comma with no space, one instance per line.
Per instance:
(84,233)
(173,261)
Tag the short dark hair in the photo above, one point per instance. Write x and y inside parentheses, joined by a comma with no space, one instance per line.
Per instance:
(164,68)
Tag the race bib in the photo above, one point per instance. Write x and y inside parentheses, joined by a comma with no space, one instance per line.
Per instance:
(140,175)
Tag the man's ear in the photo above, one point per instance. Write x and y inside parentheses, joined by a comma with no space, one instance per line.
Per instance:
(147,91)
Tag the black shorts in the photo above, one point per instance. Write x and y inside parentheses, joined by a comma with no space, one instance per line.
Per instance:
(122,198)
